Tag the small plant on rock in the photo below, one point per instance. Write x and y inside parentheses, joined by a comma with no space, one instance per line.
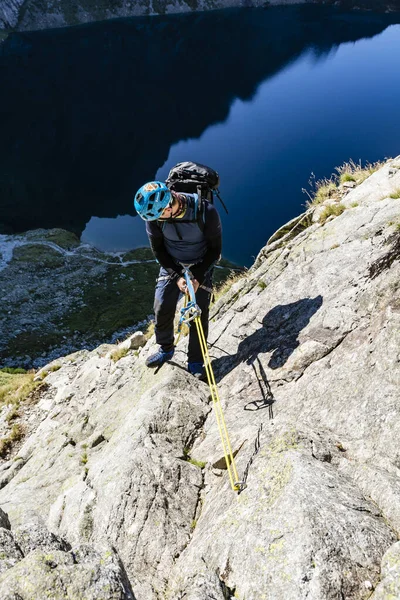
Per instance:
(346,177)
(351,171)
(150,330)
(326,189)
(331,210)
(224,288)
(197,463)
(119,353)
(6,444)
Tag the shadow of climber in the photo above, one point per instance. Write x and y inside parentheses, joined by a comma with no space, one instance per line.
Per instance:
(279,334)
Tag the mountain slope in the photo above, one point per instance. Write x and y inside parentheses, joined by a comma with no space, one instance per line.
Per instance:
(305,348)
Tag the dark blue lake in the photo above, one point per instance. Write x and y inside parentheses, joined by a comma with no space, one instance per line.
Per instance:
(265,96)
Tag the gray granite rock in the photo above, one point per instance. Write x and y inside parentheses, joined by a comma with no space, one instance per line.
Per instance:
(305,349)
(389,587)
(82,575)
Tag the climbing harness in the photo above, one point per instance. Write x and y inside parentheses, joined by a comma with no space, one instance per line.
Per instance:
(191,312)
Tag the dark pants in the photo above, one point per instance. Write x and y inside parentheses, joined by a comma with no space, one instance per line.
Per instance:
(165,301)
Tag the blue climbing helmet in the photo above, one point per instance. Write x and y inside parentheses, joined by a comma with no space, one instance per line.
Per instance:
(152,199)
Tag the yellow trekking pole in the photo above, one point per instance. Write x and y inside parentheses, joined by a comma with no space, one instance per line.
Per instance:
(191,312)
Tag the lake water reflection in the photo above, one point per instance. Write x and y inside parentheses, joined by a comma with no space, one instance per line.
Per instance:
(273,95)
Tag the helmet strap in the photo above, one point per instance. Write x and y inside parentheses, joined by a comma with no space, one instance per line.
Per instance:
(182,206)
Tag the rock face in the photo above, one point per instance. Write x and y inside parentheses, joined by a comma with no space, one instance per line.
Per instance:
(32,14)
(9,13)
(305,349)
(40,565)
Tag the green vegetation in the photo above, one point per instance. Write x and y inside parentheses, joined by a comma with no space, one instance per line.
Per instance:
(84,456)
(52,369)
(12,415)
(15,388)
(119,353)
(331,210)
(138,254)
(346,177)
(324,189)
(118,299)
(197,463)
(150,330)
(262,285)
(352,171)
(16,434)
(226,285)
(395,195)
(43,256)
(13,371)
(33,342)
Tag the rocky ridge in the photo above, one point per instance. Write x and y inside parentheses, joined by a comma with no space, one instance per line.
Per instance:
(305,348)
(22,15)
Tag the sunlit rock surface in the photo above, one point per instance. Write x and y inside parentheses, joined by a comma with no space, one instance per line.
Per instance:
(305,349)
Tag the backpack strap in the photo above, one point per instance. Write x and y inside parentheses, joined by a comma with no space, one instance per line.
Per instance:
(199,214)
(220,199)
(200,210)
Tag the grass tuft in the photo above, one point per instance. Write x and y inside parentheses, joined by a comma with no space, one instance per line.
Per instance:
(331,210)
(118,354)
(14,389)
(224,288)
(197,463)
(16,434)
(150,330)
(395,195)
(346,176)
(324,189)
(357,172)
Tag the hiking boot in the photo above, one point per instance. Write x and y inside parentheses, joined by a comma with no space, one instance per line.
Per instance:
(197,370)
(159,358)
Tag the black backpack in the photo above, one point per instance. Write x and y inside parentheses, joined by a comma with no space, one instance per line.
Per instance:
(194,178)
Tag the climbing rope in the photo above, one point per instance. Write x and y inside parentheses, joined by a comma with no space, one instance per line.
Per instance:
(191,312)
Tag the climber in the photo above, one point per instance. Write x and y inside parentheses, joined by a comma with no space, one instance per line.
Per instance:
(184,231)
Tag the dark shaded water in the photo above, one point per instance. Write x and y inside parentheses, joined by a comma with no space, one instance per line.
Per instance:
(90,113)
